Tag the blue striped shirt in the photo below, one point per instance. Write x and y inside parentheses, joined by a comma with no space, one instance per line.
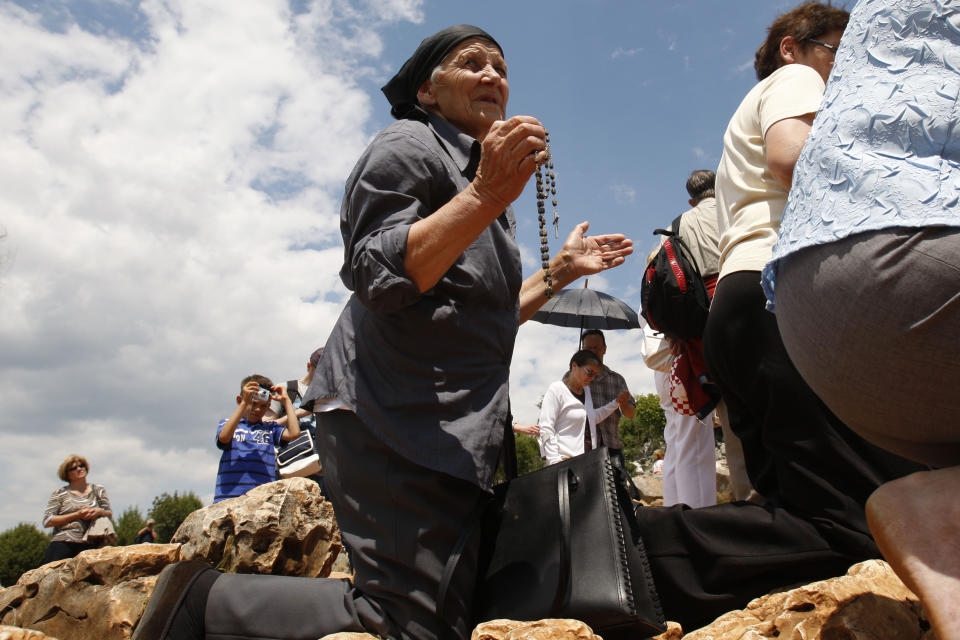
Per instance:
(248,460)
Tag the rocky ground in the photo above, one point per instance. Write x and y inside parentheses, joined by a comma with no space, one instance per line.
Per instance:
(287,528)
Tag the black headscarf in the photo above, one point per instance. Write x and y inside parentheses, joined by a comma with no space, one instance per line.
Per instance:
(402,89)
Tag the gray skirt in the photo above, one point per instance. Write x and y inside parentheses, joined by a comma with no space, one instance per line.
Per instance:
(872,322)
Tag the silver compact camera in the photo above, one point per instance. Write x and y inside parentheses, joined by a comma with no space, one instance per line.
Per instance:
(261,394)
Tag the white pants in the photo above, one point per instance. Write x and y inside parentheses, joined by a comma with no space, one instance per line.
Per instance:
(689,464)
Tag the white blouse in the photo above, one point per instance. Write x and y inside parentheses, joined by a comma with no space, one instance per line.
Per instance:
(563,420)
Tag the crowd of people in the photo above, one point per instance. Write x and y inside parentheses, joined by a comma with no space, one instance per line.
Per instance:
(835,197)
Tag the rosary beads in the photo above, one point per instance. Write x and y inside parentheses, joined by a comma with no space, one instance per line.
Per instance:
(541,214)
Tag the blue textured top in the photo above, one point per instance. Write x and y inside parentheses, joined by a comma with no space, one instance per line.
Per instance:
(884,150)
(248,460)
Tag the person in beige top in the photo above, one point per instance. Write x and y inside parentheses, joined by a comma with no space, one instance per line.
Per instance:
(814,473)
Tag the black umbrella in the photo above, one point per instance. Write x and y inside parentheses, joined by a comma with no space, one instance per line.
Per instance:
(587,309)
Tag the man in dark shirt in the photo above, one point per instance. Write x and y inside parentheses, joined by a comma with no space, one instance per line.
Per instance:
(605,387)
(146,534)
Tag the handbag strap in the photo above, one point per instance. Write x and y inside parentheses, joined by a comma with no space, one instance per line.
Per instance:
(454,560)
(565,478)
(510,467)
(509,454)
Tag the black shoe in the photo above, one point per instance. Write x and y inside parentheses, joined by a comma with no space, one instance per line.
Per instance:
(168,596)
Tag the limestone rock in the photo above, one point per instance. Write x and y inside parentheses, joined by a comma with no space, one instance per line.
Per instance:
(16,633)
(674,632)
(340,575)
(100,594)
(650,486)
(724,486)
(549,629)
(869,603)
(280,528)
(284,527)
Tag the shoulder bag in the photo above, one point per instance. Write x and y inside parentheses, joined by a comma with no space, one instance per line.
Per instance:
(563,542)
(100,533)
(299,458)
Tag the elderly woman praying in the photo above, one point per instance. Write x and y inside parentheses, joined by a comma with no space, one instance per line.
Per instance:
(419,360)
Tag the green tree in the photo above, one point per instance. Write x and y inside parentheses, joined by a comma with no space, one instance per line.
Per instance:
(528,457)
(528,454)
(169,512)
(21,549)
(643,434)
(129,522)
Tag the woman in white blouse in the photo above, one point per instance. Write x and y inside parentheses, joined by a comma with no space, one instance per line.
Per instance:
(568,419)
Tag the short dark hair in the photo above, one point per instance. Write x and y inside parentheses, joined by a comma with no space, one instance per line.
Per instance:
(809,20)
(593,332)
(584,357)
(700,184)
(315,357)
(263,381)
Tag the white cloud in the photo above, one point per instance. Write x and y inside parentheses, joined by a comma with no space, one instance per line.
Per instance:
(620,52)
(624,194)
(171,209)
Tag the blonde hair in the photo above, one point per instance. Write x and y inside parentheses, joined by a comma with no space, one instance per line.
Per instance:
(70,459)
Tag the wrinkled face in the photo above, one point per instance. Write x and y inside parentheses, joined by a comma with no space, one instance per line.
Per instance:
(818,57)
(595,344)
(470,91)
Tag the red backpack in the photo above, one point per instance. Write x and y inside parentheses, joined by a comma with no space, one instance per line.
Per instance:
(673,296)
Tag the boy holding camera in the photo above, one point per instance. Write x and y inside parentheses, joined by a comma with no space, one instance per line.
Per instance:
(248,443)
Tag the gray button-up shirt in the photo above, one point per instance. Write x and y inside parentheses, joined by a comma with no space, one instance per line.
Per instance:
(427,372)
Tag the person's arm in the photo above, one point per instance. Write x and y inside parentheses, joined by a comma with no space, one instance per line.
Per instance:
(52,516)
(226,433)
(292,429)
(59,521)
(528,429)
(601,413)
(580,256)
(783,143)
(508,159)
(103,509)
(627,404)
(300,413)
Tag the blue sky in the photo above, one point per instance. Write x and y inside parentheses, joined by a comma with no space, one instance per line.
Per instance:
(172,171)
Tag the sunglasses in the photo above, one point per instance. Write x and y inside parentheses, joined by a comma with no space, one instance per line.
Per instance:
(591,372)
(77,466)
(829,47)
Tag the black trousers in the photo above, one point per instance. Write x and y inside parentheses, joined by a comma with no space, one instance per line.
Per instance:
(815,473)
(400,520)
(60,550)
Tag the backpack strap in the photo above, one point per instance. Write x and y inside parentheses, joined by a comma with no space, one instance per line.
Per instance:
(672,231)
(293,389)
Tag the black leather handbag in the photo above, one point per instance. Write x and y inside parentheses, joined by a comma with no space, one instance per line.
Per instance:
(563,542)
